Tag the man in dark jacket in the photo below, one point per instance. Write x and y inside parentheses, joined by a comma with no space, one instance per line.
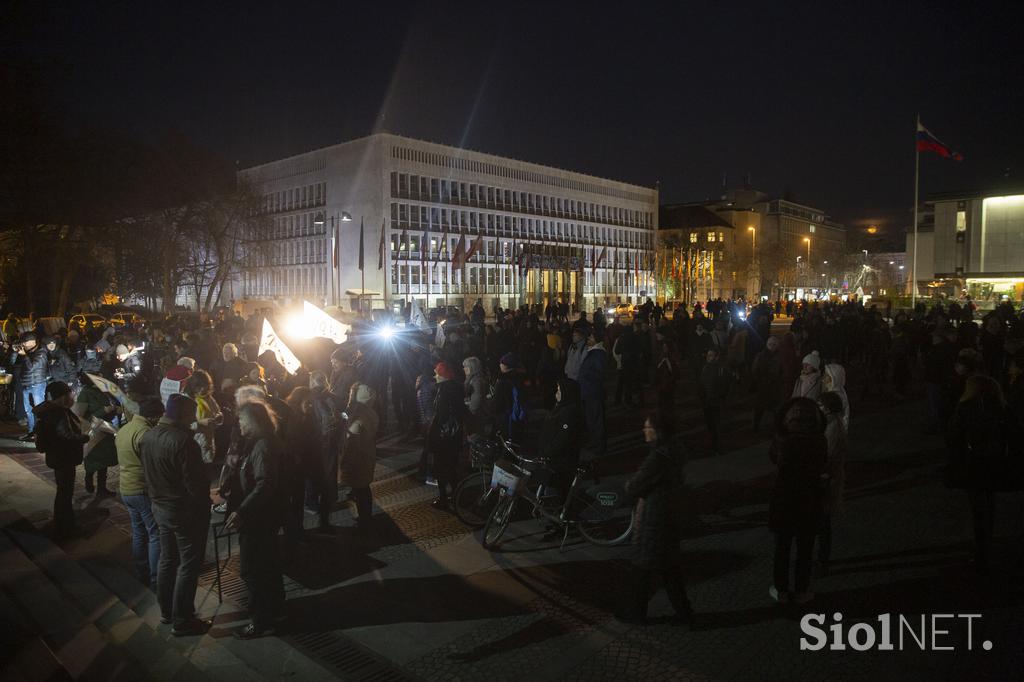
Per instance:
(327,408)
(659,483)
(591,380)
(179,490)
(60,365)
(60,437)
(30,369)
(713,387)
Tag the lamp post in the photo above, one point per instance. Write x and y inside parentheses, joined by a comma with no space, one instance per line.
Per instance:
(320,219)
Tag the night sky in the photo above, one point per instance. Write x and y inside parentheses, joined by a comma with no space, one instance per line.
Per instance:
(818,101)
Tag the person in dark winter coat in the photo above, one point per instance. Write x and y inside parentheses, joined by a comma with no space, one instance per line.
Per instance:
(179,489)
(561,435)
(258,518)
(447,429)
(30,369)
(799,451)
(592,373)
(714,384)
(767,378)
(510,399)
(60,437)
(60,365)
(975,437)
(327,409)
(659,485)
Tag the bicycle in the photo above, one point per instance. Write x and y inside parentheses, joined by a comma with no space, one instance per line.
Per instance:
(474,498)
(601,513)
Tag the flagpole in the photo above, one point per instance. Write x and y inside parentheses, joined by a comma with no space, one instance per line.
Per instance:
(362,270)
(917,179)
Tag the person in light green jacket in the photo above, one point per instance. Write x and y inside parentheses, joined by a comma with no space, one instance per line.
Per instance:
(145,534)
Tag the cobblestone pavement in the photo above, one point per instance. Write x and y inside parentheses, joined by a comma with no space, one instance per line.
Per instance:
(420,598)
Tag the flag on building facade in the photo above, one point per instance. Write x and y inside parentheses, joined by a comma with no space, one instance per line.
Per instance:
(600,259)
(380,247)
(475,246)
(926,142)
(443,246)
(424,247)
(459,257)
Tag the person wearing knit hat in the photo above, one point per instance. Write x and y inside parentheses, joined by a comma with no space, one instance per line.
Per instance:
(444,371)
(808,384)
(180,409)
(509,362)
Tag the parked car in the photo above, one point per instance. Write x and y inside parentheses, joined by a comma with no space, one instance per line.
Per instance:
(88,320)
(124,319)
(622,310)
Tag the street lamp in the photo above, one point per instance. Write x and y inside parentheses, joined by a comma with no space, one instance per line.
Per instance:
(753,239)
(808,240)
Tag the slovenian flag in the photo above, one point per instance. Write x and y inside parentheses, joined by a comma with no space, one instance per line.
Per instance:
(926,142)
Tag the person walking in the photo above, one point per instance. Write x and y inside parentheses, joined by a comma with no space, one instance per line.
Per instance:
(60,438)
(132,485)
(713,389)
(258,518)
(360,455)
(592,374)
(659,485)
(179,490)
(835,473)
(447,429)
(800,451)
(766,376)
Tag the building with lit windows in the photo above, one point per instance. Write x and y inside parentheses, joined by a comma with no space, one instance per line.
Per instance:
(970,243)
(695,254)
(532,233)
(780,246)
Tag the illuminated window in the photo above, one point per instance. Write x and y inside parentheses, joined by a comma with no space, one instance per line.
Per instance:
(961,221)
(812,229)
(693,237)
(721,236)
(711,236)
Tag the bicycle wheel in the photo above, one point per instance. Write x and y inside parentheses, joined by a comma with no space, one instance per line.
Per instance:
(498,521)
(474,499)
(600,524)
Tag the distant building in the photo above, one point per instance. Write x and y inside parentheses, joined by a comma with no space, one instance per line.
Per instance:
(971,243)
(541,234)
(694,254)
(780,245)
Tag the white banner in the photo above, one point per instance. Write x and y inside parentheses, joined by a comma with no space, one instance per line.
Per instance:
(321,324)
(270,341)
(416,317)
(107,386)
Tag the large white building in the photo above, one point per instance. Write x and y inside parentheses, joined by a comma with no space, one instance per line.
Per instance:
(542,234)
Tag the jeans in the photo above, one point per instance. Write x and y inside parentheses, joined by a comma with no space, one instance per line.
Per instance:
(260,567)
(804,560)
(63,511)
(34,394)
(182,548)
(145,537)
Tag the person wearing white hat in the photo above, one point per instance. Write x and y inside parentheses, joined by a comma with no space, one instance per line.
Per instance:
(808,384)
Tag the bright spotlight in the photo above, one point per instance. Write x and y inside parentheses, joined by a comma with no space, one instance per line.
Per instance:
(387,332)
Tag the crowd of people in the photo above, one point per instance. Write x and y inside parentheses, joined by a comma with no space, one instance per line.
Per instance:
(197,407)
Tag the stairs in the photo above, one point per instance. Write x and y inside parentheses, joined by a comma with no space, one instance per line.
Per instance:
(64,619)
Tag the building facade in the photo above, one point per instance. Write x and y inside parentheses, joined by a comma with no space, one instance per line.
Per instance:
(445,226)
(780,246)
(695,255)
(971,243)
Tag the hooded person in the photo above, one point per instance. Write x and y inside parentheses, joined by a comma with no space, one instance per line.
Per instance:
(834,380)
(808,384)
(59,436)
(561,435)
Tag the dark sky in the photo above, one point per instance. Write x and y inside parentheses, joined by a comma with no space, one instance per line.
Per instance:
(816,100)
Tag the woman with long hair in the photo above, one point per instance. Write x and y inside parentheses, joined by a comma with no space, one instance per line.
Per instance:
(208,413)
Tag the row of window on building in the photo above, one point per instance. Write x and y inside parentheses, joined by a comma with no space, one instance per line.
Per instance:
(296,198)
(304,252)
(437,219)
(440,190)
(403,276)
(502,171)
(287,282)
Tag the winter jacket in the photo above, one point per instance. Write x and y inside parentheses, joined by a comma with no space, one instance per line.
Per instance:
(835,436)
(131,367)
(62,367)
(59,435)
(574,359)
(475,386)
(767,378)
(561,436)
(976,441)
(659,483)
(32,367)
(176,478)
(444,437)
(592,372)
(91,404)
(360,456)
(131,480)
(796,499)
(807,386)
(714,384)
(260,483)
(837,377)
